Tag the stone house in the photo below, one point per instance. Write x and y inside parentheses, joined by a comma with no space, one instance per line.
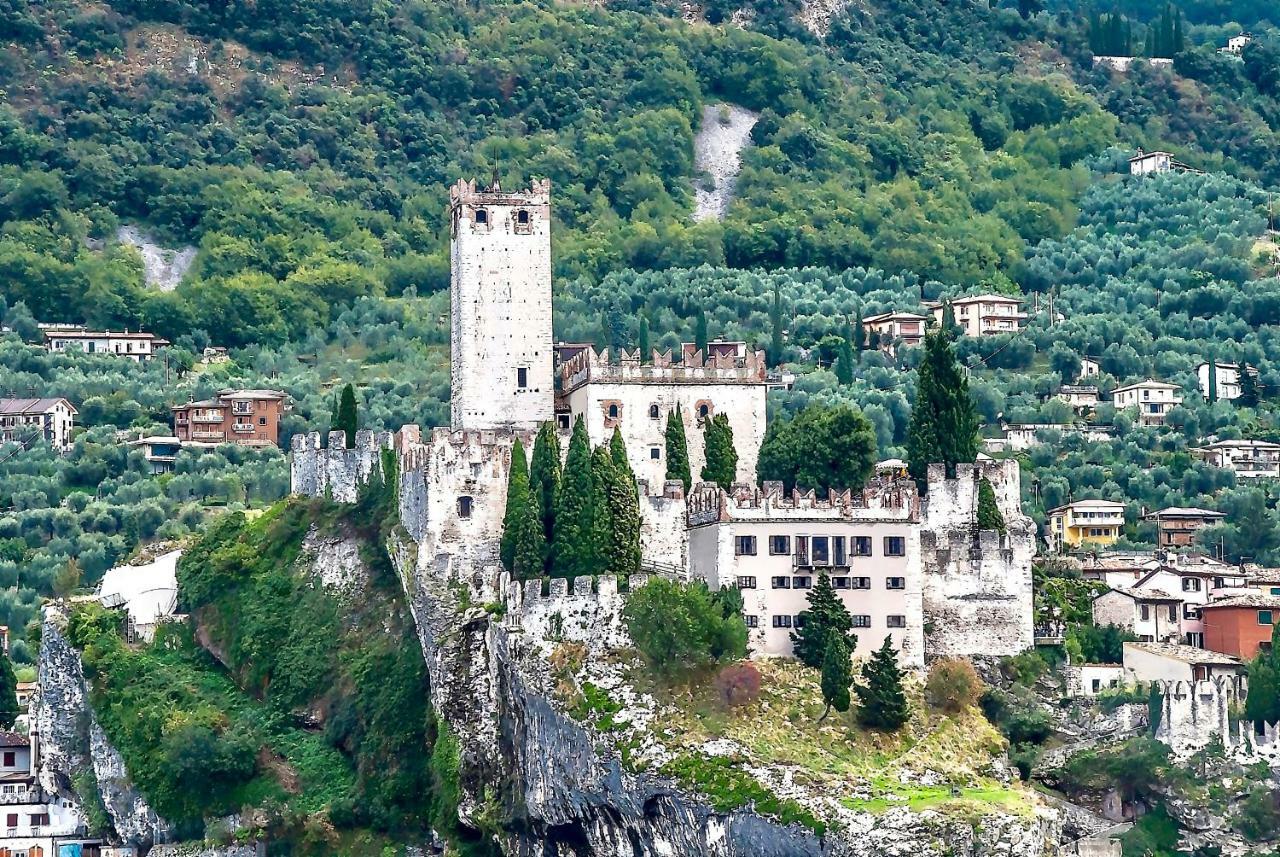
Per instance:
(1084,522)
(1176,526)
(244,417)
(1248,459)
(1151,400)
(1151,614)
(27,421)
(1081,397)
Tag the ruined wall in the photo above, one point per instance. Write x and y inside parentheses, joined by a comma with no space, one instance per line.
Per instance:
(317,471)
(1193,712)
(977,585)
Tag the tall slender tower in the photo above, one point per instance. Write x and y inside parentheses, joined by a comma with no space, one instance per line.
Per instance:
(500,300)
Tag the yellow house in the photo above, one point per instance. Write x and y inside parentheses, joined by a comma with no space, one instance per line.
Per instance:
(1091,522)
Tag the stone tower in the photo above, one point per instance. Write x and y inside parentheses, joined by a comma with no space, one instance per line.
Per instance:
(500,299)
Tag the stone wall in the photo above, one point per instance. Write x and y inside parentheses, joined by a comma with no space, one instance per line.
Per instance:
(664,535)
(977,585)
(1193,712)
(335,471)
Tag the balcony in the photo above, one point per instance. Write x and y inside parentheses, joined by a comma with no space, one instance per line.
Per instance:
(243,428)
(209,436)
(206,418)
(22,795)
(242,408)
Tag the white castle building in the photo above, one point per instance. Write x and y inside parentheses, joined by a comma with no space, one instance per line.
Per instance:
(929,580)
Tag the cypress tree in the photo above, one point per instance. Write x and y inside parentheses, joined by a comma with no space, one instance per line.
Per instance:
(775,325)
(1178,44)
(347,419)
(837,675)
(1248,397)
(678,450)
(1149,49)
(949,325)
(624,511)
(8,693)
(576,547)
(989,516)
(845,363)
(1213,381)
(544,485)
(603,481)
(519,504)
(722,459)
(944,424)
(859,333)
(1095,26)
(643,345)
(881,702)
(700,333)
(826,619)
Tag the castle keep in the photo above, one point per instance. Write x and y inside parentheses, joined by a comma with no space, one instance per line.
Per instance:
(913,569)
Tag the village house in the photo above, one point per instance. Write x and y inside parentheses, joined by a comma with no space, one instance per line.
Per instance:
(161,451)
(1235,44)
(35,823)
(1085,522)
(26,421)
(1248,459)
(1265,582)
(1081,397)
(1195,585)
(773,547)
(1150,398)
(245,417)
(890,329)
(638,398)
(1127,568)
(1020,436)
(1227,380)
(1145,662)
(982,315)
(1122,64)
(137,345)
(1240,625)
(1148,163)
(1176,526)
(1150,614)
(1089,368)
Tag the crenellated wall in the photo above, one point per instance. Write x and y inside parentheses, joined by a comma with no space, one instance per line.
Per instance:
(334,470)
(977,585)
(1193,712)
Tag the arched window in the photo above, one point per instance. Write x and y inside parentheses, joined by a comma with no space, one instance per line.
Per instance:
(703,410)
(464,507)
(653,412)
(522,217)
(613,412)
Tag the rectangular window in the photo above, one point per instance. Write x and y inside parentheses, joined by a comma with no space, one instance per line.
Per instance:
(746,582)
(752,621)
(782,621)
(781,582)
(895,621)
(1173,612)
(464,507)
(895,583)
(1097,685)
(1191,584)
(779,545)
(1264,617)
(862,545)
(802,550)
(839,583)
(1275,590)
(13,819)
(860,582)
(802,583)
(861,621)
(522,377)
(799,620)
(655,452)
(1145,612)
(10,759)
(837,550)
(744,545)
(821,548)
(895,546)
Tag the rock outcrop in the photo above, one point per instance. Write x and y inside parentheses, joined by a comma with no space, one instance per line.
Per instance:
(70,741)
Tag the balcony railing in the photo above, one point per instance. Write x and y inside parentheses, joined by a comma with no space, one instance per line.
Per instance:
(206,418)
(22,795)
(242,407)
(242,428)
(208,435)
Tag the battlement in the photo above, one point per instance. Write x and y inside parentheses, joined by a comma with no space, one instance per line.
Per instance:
(1192,713)
(449,446)
(585,609)
(878,500)
(336,471)
(954,502)
(587,365)
(466,192)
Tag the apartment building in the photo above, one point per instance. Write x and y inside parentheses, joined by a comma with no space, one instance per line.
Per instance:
(983,315)
(138,346)
(773,548)
(29,421)
(1085,522)
(1176,526)
(1150,399)
(246,417)
(1248,459)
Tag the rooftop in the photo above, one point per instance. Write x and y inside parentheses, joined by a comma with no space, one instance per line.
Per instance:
(1241,443)
(13,739)
(1186,654)
(1248,601)
(1148,383)
(1143,594)
(1110,505)
(897,315)
(972,299)
(79,333)
(15,407)
(1183,512)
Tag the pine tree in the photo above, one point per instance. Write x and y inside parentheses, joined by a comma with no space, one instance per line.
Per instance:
(576,547)
(881,702)
(544,485)
(859,333)
(989,515)
(846,362)
(826,618)
(519,504)
(624,511)
(645,349)
(68,578)
(775,326)
(347,419)
(944,424)
(1248,397)
(837,676)
(678,450)
(8,693)
(722,459)
(700,333)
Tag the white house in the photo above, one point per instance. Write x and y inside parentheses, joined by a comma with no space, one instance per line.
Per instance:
(983,315)
(1154,616)
(1122,64)
(1249,459)
(1020,436)
(1088,368)
(1227,380)
(34,823)
(1147,163)
(1172,662)
(1235,44)
(137,346)
(1150,398)
(26,421)
(1081,397)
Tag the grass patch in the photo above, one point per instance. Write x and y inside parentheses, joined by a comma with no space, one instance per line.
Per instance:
(728,787)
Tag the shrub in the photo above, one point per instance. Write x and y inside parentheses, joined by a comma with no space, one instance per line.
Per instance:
(1259,814)
(1024,668)
(681,626)
(738,684)
(952,686)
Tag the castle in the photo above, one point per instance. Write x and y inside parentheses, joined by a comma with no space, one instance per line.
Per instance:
(910,568)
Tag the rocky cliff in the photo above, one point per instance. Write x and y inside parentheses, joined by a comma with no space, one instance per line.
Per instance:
(71,742)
